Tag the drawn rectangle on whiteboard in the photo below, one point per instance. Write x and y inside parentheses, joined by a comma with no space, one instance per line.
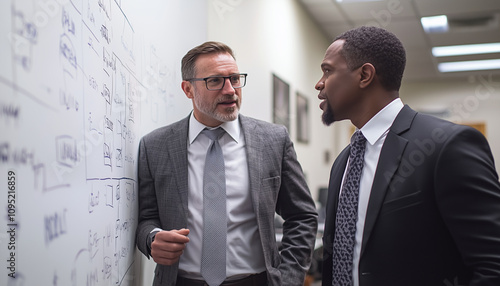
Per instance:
(109,195)
(66,151)
(107,154)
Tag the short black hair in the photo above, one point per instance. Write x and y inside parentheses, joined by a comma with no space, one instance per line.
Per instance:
(378,47)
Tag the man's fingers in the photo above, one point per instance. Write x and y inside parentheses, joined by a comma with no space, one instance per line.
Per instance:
(182,231)
(165,257)
(168,246)
(167,253)
(175,236)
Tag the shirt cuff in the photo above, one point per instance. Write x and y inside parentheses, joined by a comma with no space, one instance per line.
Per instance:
(151,237)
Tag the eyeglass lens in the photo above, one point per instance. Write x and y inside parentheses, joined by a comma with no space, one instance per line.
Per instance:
(217,82)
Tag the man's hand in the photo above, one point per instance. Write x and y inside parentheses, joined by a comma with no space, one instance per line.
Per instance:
(168,246)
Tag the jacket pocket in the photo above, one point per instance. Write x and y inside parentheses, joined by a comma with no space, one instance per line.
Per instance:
(401,203)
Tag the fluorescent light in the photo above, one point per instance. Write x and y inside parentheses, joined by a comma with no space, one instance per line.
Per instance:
(469,65)
(446,51)
(435,24)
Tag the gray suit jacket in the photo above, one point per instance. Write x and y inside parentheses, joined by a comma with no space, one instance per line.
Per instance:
(277,185)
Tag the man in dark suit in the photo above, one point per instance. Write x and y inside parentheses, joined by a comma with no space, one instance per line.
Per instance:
(428,201)
(262,177)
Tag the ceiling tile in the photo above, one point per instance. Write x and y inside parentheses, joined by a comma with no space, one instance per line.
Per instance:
(381,11)
(409,31)
(464,38)
(326,13)
(451,7)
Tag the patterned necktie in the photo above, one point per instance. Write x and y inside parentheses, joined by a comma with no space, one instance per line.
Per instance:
(213,258)
(347,215)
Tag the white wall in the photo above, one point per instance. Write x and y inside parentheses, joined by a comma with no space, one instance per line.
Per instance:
(476,99)
(278,37)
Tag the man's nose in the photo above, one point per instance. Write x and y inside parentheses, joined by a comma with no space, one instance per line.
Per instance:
(319,85)
(228,87)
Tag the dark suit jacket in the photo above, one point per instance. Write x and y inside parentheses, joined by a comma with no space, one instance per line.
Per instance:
(433,216)
(277,185)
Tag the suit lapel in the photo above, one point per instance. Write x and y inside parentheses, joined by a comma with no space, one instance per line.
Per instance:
(336,176)
(178,143)
(388,164)
(253,141)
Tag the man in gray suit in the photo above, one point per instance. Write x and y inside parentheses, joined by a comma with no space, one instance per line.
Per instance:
(262,177)
(427,207)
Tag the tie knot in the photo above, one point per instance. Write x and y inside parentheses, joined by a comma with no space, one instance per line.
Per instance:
(358,143)
(358,138)
(214,134)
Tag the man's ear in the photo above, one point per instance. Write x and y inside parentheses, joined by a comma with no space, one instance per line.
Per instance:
(188,88)
(367,75)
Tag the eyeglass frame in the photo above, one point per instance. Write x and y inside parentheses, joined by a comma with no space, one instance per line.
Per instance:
(223,83)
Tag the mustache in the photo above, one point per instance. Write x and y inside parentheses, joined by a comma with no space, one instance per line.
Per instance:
(227,98)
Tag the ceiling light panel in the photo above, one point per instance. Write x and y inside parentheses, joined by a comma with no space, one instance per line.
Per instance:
(435,24)
(469,66)
(460,50)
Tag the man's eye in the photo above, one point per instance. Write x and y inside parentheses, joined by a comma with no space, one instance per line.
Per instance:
(214,80)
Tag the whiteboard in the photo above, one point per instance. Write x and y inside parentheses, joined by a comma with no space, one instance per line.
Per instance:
(81,81)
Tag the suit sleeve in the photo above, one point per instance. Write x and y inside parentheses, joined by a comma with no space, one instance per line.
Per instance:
(468,194)
(148,208)
(296,206)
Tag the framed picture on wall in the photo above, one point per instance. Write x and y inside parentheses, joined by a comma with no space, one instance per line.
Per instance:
(303,124)
(281,102)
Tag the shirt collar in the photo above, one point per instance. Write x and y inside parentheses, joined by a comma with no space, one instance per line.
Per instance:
(379,124)
(231,127)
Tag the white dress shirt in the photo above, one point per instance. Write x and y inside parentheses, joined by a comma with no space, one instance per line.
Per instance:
(375,132)
(244,250)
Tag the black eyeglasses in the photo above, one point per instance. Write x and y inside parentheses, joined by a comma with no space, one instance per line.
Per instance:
(218,82)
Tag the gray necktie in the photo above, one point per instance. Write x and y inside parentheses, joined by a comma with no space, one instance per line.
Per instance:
(347,215)
(213,258)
